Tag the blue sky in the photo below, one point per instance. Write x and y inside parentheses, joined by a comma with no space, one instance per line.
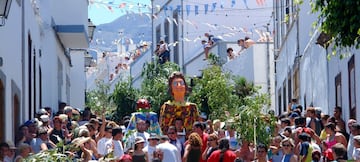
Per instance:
(99,11)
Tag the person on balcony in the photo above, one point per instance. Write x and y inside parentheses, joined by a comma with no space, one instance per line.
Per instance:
(164,52)
(230,54)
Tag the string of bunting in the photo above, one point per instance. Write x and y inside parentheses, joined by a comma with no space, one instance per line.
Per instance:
(129,6)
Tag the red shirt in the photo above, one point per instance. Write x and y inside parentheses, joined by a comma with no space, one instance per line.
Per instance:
(204,139)
(229,156)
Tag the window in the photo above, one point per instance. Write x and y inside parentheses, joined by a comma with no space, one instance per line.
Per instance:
(2,109)
(60,79)
(279,101)
(176,37)
(158,33)
(30,80)
(16,113)
(352,93)
(338,99)
(284,97)
(40,86)
(68,85)
(296,83)
(289,88)
(167,30)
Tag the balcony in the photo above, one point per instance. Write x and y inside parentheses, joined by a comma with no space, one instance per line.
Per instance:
(70,21)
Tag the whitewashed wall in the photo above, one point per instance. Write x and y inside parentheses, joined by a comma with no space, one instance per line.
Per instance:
(35,78)
(230,23)
(317,74)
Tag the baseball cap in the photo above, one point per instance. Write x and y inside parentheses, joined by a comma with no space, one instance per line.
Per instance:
(44,118)
(29,122)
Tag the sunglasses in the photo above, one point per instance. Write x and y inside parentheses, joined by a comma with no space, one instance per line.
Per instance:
(286,145)
(175,83)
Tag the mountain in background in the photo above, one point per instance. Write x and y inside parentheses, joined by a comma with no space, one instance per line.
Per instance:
(136,27)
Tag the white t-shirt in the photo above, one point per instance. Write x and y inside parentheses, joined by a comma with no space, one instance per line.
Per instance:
(118,148)
(150,151)
(356,154)
(103,146)
(350,148)
(131,140)
(170,152)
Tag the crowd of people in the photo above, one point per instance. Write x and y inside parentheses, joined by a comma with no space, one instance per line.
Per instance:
(300,136)
(313,137)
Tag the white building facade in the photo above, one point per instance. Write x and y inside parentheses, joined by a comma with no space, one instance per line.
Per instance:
(42,51)
(302,68)
(182,24)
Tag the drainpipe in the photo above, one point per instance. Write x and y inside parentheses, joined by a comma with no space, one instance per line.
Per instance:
(152,32)
(182,40)
(298,55)
(268,59)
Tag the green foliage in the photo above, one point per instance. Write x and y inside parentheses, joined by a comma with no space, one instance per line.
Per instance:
(155,84)
(217,92)
(50,155)
(340,20)
(251,119)
(215,59)
(125,97)
(53,154)
(243,88)
(100,98)
(213,92)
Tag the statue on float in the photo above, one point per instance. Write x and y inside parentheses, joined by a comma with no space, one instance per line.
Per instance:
(144,113)
(178,108)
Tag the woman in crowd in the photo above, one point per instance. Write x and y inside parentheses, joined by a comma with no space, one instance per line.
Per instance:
(84,143)
(193,148)
(275,149)
(287,146)
(24,150)
(139,155)
(334,137)
(211,146)
(224,154)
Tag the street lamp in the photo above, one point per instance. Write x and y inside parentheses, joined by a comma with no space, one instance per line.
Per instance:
(91,29)
(88,59)
(4,10)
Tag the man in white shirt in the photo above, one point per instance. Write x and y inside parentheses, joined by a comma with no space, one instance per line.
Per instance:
(354,131)
(116,142)
(102,145)
(151,147)
(140,131)
(169,151)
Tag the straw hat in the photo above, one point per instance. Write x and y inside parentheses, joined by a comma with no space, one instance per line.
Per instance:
(139,140)
(23,146)
(80,140)
(222,124)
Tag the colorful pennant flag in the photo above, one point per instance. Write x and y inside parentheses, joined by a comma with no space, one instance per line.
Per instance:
(260,2)
(196,9)
(188,7)
(178,8)
(213,7)
(206,6)
(122,5)
(246,5)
